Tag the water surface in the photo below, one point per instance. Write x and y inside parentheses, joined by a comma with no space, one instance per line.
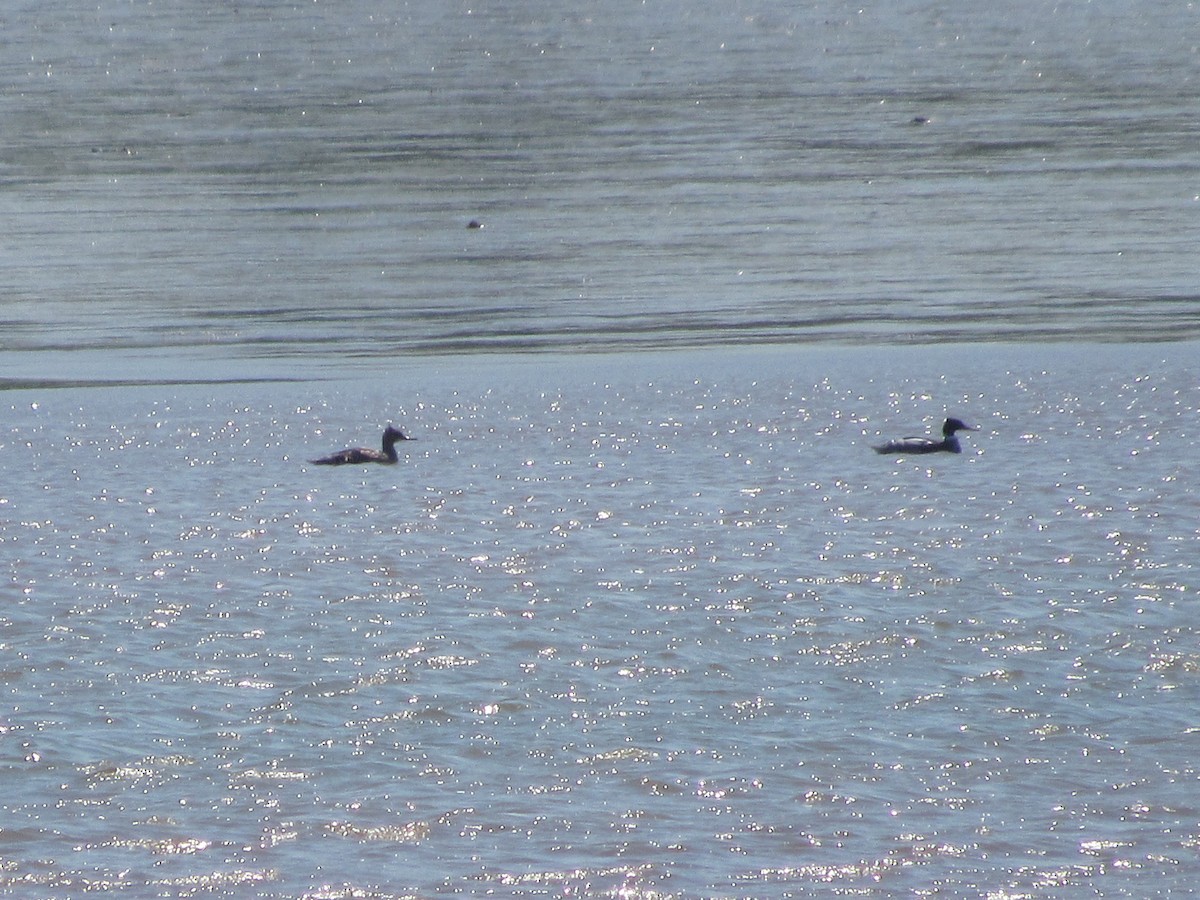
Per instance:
(640,612)
(289,184)
(661,627)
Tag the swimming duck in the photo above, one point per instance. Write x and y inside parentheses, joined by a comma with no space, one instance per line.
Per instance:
(948,444)
(355,455)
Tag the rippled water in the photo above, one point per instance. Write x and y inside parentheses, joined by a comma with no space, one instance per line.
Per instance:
(659,627)
(263,183)
(639,612)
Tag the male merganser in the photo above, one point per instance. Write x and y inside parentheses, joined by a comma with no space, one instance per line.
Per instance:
(357,455)
(948,444)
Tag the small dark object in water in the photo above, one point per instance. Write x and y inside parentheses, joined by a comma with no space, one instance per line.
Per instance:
(356,455)
(474,223)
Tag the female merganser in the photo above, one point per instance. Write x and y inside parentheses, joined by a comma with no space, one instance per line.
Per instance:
(948,444)
(357,455)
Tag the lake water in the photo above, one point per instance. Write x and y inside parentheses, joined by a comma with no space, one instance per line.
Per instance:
(293,183)
(639,613)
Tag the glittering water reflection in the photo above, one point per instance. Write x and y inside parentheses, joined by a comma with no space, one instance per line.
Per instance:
(643,631)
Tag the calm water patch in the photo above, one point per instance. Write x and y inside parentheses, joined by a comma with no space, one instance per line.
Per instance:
(195,185)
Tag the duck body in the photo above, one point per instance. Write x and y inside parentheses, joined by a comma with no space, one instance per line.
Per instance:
(948,444)
(359,455)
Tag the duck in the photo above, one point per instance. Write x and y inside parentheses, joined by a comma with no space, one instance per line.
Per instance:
(948,444)
(357,455)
